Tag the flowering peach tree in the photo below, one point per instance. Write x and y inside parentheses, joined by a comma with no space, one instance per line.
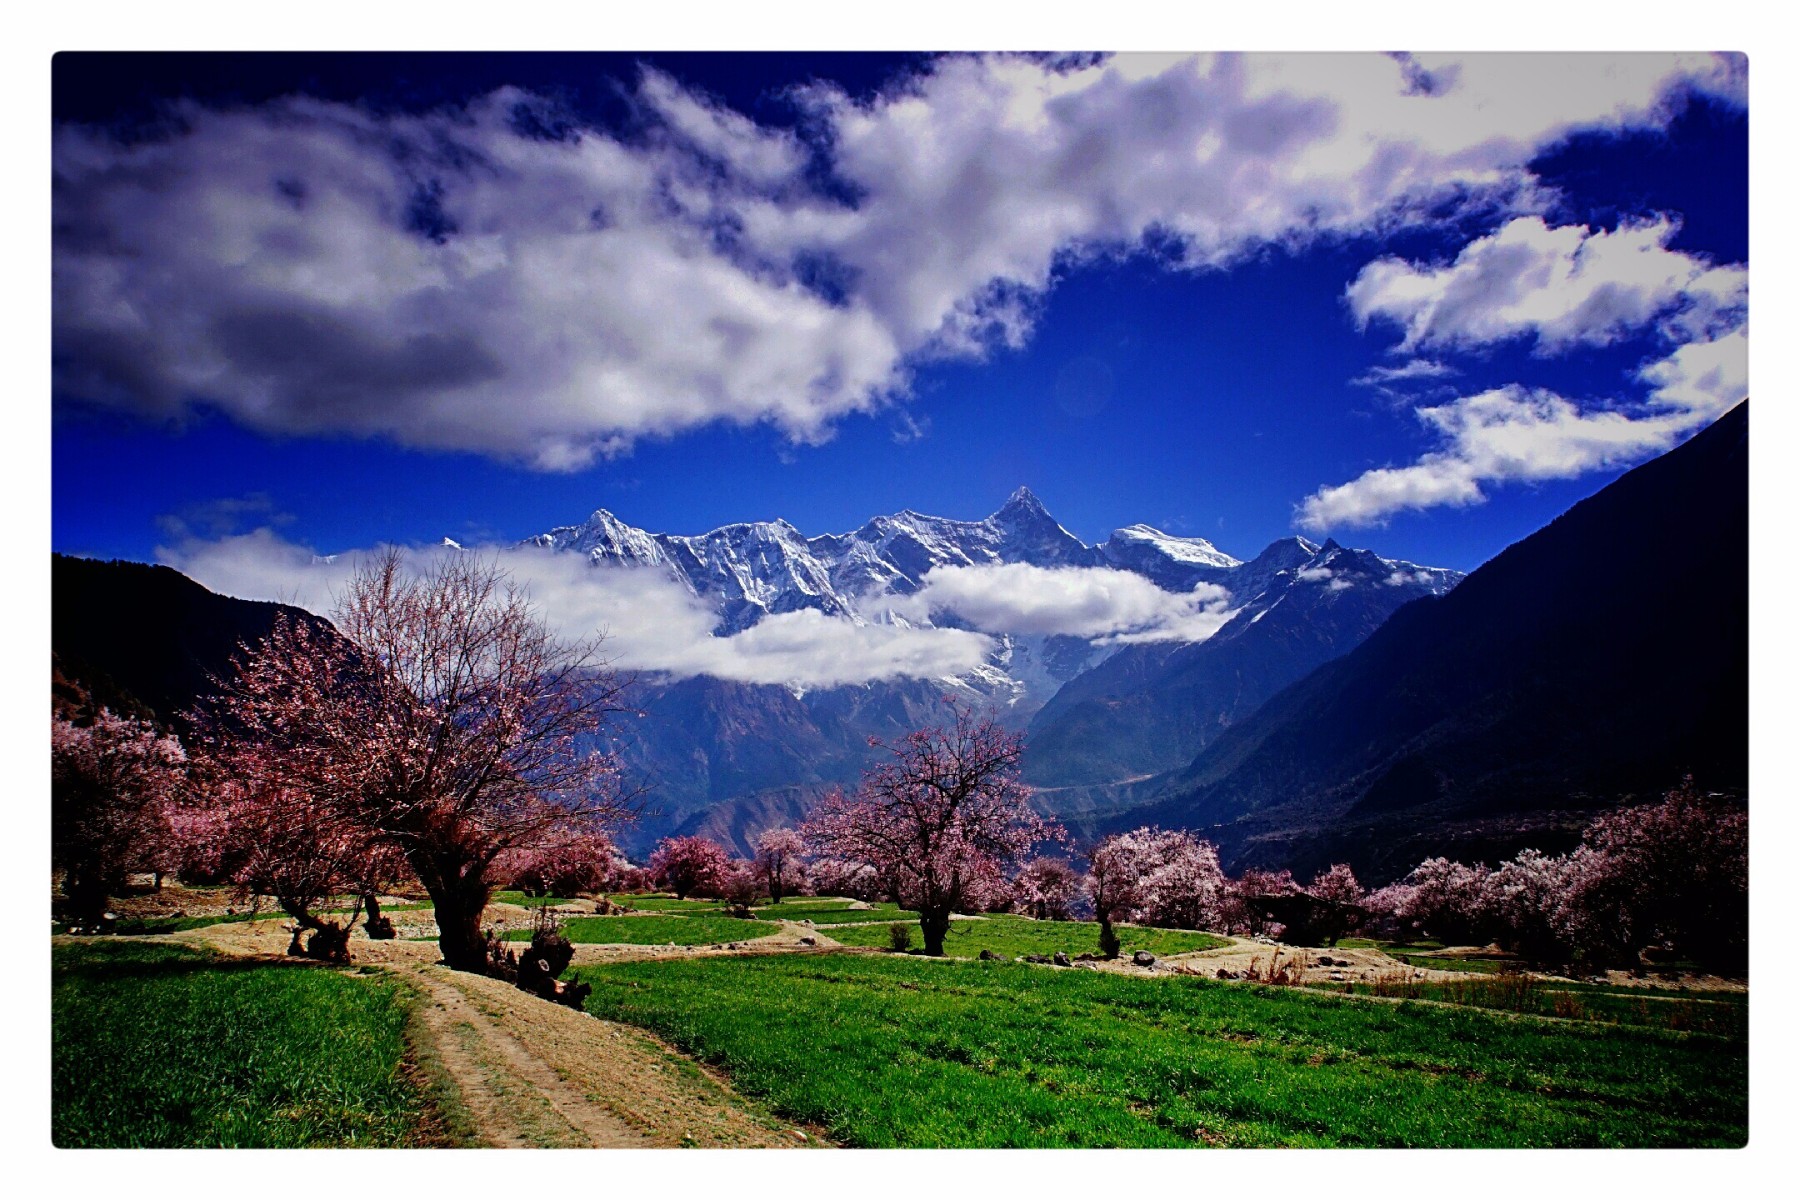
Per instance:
(441,718)
(943,818)
(778,858)
(110,780)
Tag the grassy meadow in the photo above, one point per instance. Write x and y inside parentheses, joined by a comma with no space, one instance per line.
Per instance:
(1725,1014)
(165,1045)
(901,1051)
(1011,937)
(826,910)
(699,929)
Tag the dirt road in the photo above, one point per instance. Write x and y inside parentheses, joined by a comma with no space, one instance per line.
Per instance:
(528,1073)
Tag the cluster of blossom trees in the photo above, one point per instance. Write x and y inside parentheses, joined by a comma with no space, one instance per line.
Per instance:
(1671,875)
(114,782)
(434,736)
(437,726)
(440,733)
(567,864)
(1172,878)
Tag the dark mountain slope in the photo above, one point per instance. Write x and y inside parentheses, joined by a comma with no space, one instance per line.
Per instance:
(1603,657)
(129,631)
(1153,708)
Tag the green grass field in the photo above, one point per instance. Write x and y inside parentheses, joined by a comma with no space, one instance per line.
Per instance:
(902,1051)
(1725,1014)
(662,903)
(702,929)
(1013,936)
(507,896)
(164,1045)
(830,910)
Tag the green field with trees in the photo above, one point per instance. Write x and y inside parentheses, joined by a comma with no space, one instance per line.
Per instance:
(900,1051)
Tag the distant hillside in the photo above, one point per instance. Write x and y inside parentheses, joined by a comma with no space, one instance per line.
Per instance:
(1152,708)
(133,634)
(1603,657)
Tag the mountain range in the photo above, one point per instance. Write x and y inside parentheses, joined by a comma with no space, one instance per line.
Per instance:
(1600,659)
(726,758)
(1348,707)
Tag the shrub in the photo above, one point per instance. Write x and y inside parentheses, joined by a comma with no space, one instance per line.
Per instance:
(899,938)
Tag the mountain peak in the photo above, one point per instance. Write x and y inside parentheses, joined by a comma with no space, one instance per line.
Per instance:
(1023,501)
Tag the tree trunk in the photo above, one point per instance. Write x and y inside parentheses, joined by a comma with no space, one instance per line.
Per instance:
(1109,941)
(458,904)
(934,924)
(378,927)
(775,887)
(85,895)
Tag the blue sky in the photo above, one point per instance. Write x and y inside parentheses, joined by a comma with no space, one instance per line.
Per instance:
(341,298)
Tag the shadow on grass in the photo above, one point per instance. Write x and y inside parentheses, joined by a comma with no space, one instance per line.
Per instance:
(134,960)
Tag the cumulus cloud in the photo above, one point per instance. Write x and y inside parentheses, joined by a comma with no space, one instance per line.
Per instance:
(1564,286)
(1515,433)
(498,279)
(651,622)
(1105,606)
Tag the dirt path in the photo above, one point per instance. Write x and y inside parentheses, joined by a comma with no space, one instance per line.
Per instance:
(530,1073)
(1246,957)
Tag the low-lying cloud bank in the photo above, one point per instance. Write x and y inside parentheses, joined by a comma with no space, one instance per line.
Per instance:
(1100,604)
(652,623)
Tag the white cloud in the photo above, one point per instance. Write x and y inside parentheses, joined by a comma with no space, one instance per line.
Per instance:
(1098,603)
(1411,371)
(1515,433)
(1313,574)
(445,280)
(1564,286)
(651,622)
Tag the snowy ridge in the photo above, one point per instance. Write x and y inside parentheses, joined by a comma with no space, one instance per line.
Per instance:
(751,570)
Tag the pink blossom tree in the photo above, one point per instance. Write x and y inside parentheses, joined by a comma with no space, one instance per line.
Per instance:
(442,716)
(300,851)
(1154,876)
(573,862)
(841,877)
(1185,888)
(1117,868)
(742,885)
(1452,901)
(1047,889)
(690,866)
(943,817)
(110,780)
(778,857)
(1337,907)
(1683,866)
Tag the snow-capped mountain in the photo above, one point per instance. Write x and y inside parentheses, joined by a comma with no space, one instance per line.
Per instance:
(749,571)
(762,567)
(722,757)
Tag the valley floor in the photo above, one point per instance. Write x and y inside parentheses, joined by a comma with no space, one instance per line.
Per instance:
(797,1037)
